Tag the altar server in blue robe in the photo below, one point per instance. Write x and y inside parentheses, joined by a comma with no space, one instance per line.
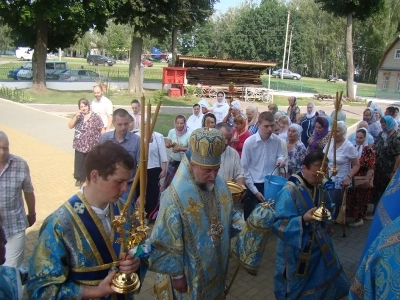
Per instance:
(307,266)
(77,255)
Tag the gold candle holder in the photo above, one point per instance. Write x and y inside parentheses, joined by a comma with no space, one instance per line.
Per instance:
(126,283)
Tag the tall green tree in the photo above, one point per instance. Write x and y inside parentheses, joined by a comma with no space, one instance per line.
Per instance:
(147,18)
(46,25)
(351,9)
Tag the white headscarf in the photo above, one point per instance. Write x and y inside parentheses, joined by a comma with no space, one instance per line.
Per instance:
(313,112)
(203,103)
(194,122)
(361,147)
(223,101)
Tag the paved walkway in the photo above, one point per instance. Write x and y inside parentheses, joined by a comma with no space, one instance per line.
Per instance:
(44,141)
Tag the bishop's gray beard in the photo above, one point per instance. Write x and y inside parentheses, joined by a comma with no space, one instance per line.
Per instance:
(207,187)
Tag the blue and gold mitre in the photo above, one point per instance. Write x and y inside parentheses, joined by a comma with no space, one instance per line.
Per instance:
(206,146)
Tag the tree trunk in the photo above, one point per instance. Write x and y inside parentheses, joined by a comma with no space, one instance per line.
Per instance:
(135,80)
(39,57)
(174,45)
(349,57)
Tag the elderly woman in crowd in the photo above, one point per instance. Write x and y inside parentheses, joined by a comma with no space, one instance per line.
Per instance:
(156,169)
(239,134)
(320,137)
(346,162)
(209,121)
(387,150)
(178,140)
(293,110)
(341,115)
(358,197)
(296,149)
(88,128)
(373,126)
(307,123)
(252,118)
(378,114)
(284,122)
(205,107)
(194,121)
(220,108)
(235,110)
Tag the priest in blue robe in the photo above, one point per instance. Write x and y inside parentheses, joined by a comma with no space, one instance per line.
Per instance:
(77,254)
(378,274)
(307,266)
(191,236)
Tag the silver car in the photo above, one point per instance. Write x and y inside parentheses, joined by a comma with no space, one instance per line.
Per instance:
(81,75)
(287,74)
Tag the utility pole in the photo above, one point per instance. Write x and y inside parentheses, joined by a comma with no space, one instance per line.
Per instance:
(284,51)
(290,47)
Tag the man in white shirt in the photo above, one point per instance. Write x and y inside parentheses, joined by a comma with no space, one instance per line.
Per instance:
(231,167)
(261,153)
(102,106)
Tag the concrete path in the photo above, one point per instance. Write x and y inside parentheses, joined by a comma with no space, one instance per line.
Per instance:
(44,141)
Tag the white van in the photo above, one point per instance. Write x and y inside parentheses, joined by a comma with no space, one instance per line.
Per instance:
(24,53)
(51,67)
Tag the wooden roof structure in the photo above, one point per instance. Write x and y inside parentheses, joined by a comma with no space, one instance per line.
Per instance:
(387,51)
(219,71)
(221,63)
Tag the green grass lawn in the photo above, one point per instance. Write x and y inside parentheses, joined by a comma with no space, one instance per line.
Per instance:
(318,86)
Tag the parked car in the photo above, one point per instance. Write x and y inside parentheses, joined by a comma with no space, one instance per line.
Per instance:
(100,60)
(13,73)
(287,74)
(51,67)
(81,75)
(146,63)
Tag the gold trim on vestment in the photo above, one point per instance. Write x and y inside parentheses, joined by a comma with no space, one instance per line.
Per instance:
(96,268)
(85,233)
(168,248)
(100,226)
(88,282)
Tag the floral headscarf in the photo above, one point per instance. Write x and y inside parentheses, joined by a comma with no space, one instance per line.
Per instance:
(184,130)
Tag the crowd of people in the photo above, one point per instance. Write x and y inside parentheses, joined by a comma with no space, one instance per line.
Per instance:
(191,205)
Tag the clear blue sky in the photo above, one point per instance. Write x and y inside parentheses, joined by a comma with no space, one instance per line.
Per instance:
(223,5)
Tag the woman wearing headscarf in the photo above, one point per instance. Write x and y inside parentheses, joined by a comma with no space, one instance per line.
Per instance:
(320,137)
(239,134)
(293,110)
(359,197)
(296,149)
(378,114)
(220,108)
(205,107)
(373,126)
(284,123)
(178,140)
(209,121)
(252,119)
(196,118)
(387,150)
(307,123)
(346,162)
(235,110)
